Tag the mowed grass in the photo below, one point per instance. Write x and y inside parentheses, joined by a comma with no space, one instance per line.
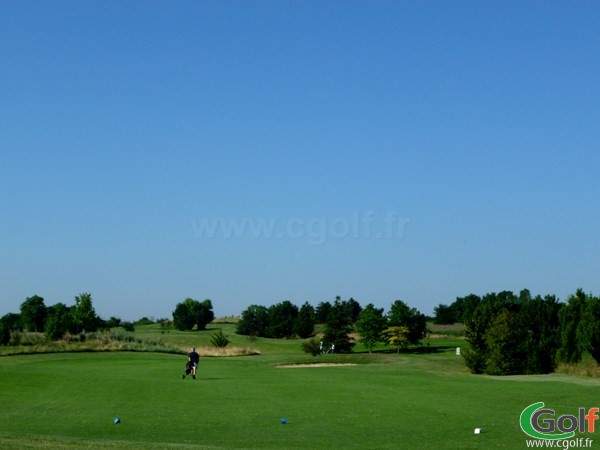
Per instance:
(414,400)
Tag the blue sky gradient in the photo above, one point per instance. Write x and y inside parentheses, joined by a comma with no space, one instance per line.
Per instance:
(252,152)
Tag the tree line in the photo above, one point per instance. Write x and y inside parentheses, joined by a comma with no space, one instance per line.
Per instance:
(520,334)
(57,320)
(401,326)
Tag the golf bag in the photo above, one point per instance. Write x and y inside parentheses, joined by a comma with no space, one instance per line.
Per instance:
(188,367)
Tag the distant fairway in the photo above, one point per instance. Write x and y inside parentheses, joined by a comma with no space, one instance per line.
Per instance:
(385,401)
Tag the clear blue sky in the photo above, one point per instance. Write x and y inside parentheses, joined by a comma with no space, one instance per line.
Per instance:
(252,152)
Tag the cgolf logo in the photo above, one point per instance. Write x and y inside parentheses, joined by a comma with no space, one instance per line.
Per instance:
(540,423)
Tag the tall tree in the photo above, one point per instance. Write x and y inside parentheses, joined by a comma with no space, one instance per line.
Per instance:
(571,330)
(59,321)
(591,325)
(190,313)
(339,327)
(254,321)
(4,332)
(540,319)
(370,325)
(84,314)
(475,334)
(304,326)
(282,317)
(355,309)
(402,315)
(33,313)
(322,312)
(507,354)
(204,314)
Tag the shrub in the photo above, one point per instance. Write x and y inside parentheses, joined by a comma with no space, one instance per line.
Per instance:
(128,326)
(219,339)
(312,346)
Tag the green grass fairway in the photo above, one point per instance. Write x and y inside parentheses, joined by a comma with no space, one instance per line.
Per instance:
(385,401)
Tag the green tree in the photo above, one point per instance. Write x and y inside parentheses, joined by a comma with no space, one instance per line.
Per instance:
(254,321)
(540,320)
(397,336)
(444,315)
(58,322)
(12,321)
(84,314)
(4,332)
(571,330)
(204,314)
(322,312)
(304,326)
(339,327)
(402,315)
(505,339)
(591,325)
(370,325)
(464,307)
(475,334)
(113,322)
(190,313)
(282,317)
(354,308)
(33,313)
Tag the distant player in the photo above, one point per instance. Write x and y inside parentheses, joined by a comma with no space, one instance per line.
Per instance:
(193,360)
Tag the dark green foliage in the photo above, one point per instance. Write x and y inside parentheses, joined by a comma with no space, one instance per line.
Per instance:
(475,330)
(540,319)
(128,326)
(113,322)
(4,333)
(282,317)
(505,339)
(311,346)
(144,321)
(59,321)
(476,356)
(254,321)
(183,318)
(370,325)
(591,325)
(204,314)
(571,331)
(322,312)
(444,315)
(83,313)
(192,313)
(12,321)
(512,335)
(401,315)
(305,322)
(458,312)
(33,313)
(339,327)
(219,339)
(355,309)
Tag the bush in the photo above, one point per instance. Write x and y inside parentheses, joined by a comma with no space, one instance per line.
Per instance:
(128,326)
(219,339)
(312,346)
